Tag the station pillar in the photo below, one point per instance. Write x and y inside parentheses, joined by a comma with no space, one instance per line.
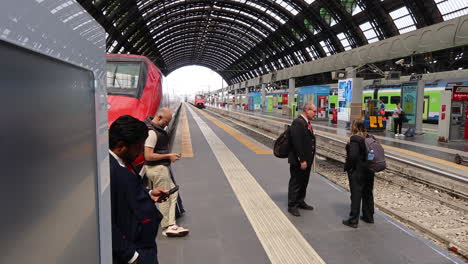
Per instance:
(263,97)
(292,90)
(419,107)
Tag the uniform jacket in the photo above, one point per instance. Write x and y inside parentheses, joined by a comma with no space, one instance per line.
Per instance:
(135,218)
(302,143)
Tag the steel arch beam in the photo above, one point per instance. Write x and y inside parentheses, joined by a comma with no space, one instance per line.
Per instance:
(425,12)
(211,54)
(193,32)
(377,12)
(251,35)
(216,54)
(208,45)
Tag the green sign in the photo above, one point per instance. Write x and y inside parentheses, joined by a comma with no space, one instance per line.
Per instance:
(409,96)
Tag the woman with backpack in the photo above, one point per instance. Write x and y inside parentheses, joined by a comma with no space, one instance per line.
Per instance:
(361,178)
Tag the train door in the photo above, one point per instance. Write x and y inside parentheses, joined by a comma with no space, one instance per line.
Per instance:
(426,108)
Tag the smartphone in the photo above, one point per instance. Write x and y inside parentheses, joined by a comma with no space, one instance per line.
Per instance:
(165,195)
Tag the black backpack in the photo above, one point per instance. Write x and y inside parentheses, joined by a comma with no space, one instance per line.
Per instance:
(281,146)
(410,132)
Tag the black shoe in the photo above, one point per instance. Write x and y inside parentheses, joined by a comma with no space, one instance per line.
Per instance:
(370,221)
(306,206)
(294,211)
(349,223)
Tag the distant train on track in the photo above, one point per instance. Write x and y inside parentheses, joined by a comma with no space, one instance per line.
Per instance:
(134,86)
(199,101)
(390,95)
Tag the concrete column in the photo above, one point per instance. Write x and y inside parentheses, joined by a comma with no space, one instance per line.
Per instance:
(263,97)
(292,91)
(419,107)
(236,99)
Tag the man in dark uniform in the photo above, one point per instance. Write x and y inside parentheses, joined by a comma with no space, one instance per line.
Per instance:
(135,218)
(300,159)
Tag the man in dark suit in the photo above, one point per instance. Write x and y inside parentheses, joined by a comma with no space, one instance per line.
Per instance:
(135,218)
(300,159)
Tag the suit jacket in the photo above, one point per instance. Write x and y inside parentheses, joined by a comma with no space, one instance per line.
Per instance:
(302,143)
(135,218)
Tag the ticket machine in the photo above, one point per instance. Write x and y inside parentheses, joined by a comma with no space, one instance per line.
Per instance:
(459,114)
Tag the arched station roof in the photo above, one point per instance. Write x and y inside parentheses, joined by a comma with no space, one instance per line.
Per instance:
(242,39)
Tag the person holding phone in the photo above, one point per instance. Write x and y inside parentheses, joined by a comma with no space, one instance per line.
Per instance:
(135,219)
(157,162)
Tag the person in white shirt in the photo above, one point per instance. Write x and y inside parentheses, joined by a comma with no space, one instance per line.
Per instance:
(397,112)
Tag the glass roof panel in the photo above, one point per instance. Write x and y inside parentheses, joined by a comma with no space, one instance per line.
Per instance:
(452,8)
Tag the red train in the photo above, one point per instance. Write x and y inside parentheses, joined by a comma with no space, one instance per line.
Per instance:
(134,86)
(199,101)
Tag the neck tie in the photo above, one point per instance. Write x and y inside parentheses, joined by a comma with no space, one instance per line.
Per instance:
(130,167)
(309,126)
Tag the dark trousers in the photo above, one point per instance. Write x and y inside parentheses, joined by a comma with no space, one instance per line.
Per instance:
(297,185)
(398,125)
(361,186)
(147,256)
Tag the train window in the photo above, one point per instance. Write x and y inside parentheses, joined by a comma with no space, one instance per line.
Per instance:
(332,105)
(367,98)
(123,78)
(395,99)
(384,99)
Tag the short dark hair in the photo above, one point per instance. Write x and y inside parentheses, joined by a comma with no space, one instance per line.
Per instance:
(127,129)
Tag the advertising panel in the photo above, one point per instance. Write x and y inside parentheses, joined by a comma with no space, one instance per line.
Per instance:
(345,95)
(409,95)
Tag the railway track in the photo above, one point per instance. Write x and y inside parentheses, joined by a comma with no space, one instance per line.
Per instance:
(432,202)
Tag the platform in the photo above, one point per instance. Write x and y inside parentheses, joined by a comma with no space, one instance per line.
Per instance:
(235,194)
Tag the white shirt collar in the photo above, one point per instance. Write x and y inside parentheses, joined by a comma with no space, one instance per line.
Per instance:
(305,118)
(119,160)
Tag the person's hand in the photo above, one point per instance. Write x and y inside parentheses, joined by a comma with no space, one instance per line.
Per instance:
(157,192)
(173,157)
(303,165)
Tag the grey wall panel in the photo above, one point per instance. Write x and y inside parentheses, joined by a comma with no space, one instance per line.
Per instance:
(63,30)
(49,190)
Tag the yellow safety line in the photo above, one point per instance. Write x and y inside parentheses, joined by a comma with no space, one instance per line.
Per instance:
(409,152)
(186,148)
(246,142)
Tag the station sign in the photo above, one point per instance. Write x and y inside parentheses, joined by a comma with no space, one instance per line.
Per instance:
(460,93)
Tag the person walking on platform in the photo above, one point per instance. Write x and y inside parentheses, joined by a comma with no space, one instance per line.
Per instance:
(398,120)
(361,179)
(300,159)
(135,218)
(157,162)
